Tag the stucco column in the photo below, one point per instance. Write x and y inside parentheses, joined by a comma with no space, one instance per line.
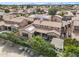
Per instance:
(2,28)
(41,34)
(20,32)
(29,35)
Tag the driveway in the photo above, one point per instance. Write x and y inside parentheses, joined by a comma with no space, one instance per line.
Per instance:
(7,51)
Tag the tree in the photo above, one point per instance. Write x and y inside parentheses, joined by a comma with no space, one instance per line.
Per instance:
(7,11)
(74,12)
(52,11)
(33,12)
(38,44)
(29,6)
(71,47)
(61,14)
(14,6)
(13,38)
(71,50)
(42,47)
(70,41)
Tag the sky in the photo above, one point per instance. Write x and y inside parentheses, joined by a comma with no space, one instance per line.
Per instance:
(7,2)
(39,0)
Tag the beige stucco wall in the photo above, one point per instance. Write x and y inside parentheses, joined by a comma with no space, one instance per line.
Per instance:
(23,23)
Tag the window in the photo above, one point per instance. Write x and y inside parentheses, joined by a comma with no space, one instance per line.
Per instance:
(9,28)
(24,34)
(36,33)
(76,28)
(69,25)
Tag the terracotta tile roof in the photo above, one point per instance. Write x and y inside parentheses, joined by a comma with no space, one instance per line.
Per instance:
(48,23)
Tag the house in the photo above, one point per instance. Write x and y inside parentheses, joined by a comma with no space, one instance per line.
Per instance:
(1,15)
(46,29)
(67,24)
(21,21)
(7,22)
(41,16)
(4,26)
(75,29)
(56,18)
